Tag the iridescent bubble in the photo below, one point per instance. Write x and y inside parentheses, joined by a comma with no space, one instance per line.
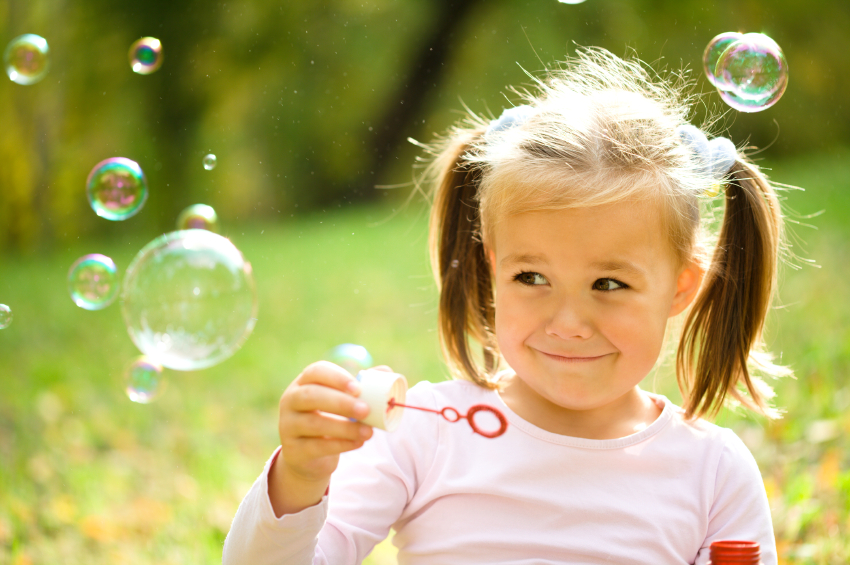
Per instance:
(353,358)
(210,162)
(712,53)
(189,300)
(146,55)
(5,316)
(756,72)
(198,216)
(117,188)
(144,380)
(93,282)
(26,59)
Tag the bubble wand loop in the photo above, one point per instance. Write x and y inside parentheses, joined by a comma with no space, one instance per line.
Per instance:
(469,416)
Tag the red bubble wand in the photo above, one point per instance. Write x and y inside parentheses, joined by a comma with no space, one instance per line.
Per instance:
(452,415)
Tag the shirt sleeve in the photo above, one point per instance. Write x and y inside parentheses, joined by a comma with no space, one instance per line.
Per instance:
(368,493)
(740,510)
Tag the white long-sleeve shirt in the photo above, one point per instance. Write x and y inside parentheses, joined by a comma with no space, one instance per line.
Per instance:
(659,496)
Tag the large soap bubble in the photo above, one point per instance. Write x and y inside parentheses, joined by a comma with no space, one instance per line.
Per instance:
(712,53)
(5,316)
(117,188)
(93,282)
(189,300)
(26,59)
(146,55)
(353,358)
(754,73)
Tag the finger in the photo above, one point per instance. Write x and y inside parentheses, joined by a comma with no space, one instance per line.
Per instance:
(314,448)
(330,375)
(312,397)
(317,425)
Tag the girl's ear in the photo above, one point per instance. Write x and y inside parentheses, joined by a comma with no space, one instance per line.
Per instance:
(687,285)
(491,259)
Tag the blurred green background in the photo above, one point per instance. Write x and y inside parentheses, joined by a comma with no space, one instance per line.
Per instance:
(307,106)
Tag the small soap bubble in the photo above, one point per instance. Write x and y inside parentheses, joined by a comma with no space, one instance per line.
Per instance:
(198,216)
(189,300)
(210,162)
(146,55)
(93,282)
(117,188)
(570,1)
(455,263)
(353,358)
(756,73)
(143,380)
(5,316)
(26,59)
(712,53)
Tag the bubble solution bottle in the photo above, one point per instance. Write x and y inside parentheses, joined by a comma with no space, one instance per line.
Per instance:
(728,552)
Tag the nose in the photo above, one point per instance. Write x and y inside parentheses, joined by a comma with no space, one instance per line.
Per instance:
(570,319)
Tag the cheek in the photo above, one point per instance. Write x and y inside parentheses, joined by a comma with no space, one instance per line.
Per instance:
(638,331)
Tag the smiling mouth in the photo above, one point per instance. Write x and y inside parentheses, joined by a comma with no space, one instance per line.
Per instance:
(573,359)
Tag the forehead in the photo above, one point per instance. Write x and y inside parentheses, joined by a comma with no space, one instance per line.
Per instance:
(624,232)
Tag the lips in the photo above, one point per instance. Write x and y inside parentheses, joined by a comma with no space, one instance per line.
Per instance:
(572,358)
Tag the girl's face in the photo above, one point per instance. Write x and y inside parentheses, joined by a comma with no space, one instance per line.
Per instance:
(582,301)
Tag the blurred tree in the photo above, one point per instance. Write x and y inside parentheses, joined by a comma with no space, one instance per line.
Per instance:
(307,104)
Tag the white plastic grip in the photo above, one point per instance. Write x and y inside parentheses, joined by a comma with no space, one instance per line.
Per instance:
(377,388)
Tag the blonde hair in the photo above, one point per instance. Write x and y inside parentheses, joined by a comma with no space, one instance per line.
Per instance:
(601,130)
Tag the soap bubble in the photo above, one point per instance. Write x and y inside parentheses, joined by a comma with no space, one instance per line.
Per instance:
(146,55)
(353,358)
(712,53)
(5,316)
(93,282)
(198,216)
(117,188)
(210,162)
(26,59)
(189,300)
(570,1)
(143,380)
(756,73)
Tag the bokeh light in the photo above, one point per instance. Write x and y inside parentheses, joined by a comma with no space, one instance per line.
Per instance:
(198,216)
(189,299)
(353,358)
(143,380)
(712,53)
(93,282)
(117,188)
(5,316)
(210,162)
(754,73)
(27,59)
(146,55)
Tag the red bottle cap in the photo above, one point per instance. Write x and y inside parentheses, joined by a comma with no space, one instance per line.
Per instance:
(735,552)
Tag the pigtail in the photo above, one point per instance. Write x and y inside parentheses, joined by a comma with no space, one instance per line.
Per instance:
(722,336)
(460,265)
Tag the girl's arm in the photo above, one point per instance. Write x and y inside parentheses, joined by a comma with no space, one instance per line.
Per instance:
(740,510)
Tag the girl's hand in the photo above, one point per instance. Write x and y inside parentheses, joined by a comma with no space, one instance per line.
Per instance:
(314,423)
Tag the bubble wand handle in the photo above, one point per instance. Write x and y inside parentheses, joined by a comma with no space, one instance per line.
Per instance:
(470,416)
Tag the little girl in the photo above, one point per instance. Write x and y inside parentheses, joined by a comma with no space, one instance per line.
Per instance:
(564,236)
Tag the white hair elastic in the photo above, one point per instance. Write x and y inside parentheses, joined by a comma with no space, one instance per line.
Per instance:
(716,157)
(510,117)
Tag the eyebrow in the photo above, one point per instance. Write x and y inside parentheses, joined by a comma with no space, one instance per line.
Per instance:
(531,258)
(609,266)
(618,266)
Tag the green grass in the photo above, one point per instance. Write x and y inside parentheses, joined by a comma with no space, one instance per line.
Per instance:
(89,477)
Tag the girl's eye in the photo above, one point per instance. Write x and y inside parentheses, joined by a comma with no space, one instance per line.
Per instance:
(608,284)
(529,278)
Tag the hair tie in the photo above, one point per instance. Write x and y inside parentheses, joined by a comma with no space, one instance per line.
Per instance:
(510,117)
(715,157)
